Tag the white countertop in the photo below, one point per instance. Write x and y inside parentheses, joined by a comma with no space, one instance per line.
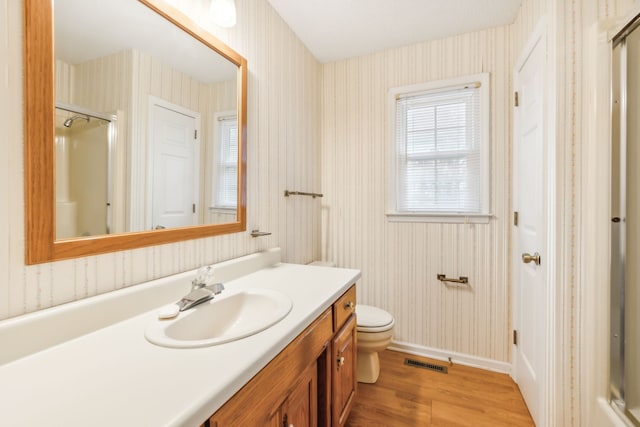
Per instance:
(114,377)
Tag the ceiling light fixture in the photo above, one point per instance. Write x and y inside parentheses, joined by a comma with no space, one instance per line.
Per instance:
(223,13)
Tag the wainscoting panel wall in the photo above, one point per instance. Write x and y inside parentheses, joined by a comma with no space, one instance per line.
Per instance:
(400,261)
(283,152)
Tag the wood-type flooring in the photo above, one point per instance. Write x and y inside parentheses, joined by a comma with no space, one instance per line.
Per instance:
(415,397)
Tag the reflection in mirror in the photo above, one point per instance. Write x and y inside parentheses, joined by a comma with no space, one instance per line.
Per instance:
(83,153)
(225,153)
(166,152)
(135,131)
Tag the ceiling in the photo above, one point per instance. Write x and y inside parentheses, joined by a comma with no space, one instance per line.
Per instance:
(339,29)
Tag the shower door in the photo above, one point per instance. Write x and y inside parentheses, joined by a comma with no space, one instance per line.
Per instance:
(625,223)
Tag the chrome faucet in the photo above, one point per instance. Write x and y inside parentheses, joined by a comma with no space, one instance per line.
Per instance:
(194,298)
(214,288)
(201,289)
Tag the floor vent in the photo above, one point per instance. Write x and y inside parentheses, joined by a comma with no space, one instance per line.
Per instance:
(424,365)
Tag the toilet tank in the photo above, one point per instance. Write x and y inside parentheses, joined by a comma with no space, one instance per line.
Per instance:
(323,263)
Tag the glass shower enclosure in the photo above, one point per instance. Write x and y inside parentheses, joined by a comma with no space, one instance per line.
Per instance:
(625,223)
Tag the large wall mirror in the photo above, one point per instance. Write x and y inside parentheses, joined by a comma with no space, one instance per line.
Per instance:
(135,128)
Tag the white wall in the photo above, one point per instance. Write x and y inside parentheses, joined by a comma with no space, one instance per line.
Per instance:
(283,148)
(400,261)
(570,104)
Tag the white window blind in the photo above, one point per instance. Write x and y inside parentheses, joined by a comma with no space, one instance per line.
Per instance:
(227,163)
(440,150)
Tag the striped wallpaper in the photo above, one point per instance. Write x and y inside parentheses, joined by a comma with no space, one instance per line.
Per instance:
(323,128)
(283,152)
(400,261)
(570,397)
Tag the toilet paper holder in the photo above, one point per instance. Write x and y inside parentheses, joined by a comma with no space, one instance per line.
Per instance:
(460,279)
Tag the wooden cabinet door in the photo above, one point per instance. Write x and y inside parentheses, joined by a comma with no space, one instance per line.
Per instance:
(345,382)
(276,420)
(301,407)
(262,400)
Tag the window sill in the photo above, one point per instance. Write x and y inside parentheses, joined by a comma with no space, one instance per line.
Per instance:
(215,209)
(444,218)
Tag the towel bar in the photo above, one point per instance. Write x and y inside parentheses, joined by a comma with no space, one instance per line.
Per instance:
(288,193)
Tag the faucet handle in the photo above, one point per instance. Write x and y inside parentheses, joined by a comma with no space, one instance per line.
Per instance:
(204,276)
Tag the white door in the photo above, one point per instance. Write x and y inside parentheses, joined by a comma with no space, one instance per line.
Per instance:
(529,235)
(174,191)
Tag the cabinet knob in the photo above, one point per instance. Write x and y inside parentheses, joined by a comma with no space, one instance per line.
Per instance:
(341,361)
(349,305)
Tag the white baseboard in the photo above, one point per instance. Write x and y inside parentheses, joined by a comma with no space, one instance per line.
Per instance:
(458,358)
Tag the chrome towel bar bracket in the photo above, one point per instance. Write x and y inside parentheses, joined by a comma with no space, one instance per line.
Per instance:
(461,279)
(258,233)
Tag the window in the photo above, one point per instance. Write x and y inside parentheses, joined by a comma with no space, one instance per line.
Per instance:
(226,181)
(440,151)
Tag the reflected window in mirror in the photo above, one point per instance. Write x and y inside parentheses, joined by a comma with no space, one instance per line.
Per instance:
(225,164)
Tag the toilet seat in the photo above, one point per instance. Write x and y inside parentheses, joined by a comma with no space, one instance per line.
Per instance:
(373,319)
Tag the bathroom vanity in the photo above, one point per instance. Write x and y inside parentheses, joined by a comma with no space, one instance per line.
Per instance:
(313,378)
(88,362)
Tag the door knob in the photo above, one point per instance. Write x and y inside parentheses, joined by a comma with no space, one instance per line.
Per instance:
(527,258)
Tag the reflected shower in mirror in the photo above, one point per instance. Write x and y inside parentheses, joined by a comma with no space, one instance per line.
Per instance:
(83,143)
(163,154)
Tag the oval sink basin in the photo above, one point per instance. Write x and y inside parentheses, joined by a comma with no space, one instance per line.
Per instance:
(230,316)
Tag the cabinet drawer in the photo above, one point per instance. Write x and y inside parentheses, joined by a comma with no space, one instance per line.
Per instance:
(344,307)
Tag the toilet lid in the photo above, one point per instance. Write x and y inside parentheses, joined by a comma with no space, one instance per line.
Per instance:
(373,318)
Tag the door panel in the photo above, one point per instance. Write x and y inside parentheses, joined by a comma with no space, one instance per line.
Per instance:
(174,191)
(530,293)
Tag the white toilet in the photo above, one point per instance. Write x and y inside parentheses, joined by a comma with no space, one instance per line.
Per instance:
(375,329)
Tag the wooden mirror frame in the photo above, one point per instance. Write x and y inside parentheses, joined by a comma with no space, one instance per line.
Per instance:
(39,132)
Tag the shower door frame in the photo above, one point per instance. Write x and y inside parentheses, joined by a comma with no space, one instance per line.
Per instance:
(618,282)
